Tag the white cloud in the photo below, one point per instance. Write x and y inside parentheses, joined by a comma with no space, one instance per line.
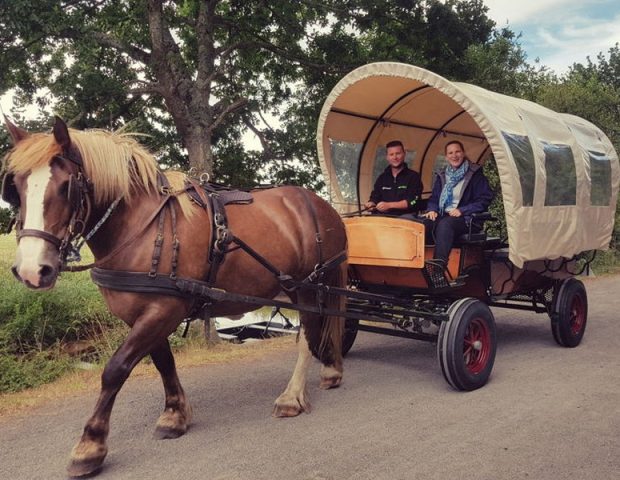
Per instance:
(517,12)
(560,32)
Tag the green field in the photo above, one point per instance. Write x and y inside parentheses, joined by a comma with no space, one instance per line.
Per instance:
(38,328)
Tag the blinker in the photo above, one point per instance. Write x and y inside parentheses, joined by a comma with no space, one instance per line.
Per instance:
(9,191)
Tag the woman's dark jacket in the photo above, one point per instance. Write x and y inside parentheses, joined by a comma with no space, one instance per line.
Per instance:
(476,194)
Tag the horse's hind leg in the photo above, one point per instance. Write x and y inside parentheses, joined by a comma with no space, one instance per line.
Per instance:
(175,419)
(89,453)
(324,337)
(294,399)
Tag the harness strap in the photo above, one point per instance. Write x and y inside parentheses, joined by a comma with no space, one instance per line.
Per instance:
(317,237)
(159,241)
(136,282)
(175,244)
(220,236)
(256,256)
(29,232)
(140,231)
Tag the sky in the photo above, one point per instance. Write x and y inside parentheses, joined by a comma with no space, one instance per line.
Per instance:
(560,32)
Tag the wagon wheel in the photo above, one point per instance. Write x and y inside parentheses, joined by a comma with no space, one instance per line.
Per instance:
(350,332)
(467,344)
(570,313)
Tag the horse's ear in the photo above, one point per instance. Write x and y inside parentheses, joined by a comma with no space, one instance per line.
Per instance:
(61,134)
(17,134)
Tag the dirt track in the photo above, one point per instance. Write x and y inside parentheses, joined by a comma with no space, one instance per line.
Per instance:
(547,413)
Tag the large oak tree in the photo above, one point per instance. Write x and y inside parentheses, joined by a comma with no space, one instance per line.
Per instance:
(197,74)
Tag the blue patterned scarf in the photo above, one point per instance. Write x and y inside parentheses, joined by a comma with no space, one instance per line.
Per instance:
(453,176)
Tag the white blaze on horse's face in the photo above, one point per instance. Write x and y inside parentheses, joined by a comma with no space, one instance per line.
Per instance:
(34,257)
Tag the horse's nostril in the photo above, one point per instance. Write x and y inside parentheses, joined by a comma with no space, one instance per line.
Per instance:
(15,273)
(46,271)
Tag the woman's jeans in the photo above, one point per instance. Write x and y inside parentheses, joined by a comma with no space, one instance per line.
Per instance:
(442,232)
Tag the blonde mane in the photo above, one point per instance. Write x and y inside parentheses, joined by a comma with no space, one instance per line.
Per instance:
(116,164)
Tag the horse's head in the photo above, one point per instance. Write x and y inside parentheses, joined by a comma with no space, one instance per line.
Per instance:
(45,182)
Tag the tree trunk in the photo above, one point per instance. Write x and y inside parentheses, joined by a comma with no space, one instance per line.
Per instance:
(199,150)
(211,335)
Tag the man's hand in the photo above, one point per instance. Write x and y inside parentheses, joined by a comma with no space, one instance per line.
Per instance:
(455,213)
(431,215)
(370,205)
(384,206)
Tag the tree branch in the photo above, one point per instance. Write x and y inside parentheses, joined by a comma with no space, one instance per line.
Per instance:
(147,89)
(223,112)
(109,41)
(267,151)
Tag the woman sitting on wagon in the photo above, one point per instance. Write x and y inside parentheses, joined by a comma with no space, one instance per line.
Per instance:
(459,191)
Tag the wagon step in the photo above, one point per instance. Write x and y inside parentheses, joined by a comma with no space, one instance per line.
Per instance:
(438,277)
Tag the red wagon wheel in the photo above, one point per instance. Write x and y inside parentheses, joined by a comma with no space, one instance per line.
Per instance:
(570,313)
(467,344)
(350,332)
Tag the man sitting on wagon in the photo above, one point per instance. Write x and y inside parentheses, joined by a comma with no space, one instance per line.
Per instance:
(459,191)
(397,190)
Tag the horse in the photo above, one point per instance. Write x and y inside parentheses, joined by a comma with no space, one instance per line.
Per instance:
(68,182)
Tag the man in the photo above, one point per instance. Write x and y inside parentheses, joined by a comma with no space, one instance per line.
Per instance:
(397,190)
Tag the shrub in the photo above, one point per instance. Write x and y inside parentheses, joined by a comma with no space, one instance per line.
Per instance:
(19,372)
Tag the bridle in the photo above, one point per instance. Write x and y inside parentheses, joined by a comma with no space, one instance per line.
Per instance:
(78,191)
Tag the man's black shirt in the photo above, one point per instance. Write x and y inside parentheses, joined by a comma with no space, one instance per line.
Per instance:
(406,186)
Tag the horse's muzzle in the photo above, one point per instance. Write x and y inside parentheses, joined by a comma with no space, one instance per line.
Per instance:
(42,279)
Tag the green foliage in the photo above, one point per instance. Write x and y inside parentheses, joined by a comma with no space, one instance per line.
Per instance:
(6,214)
(19,372)
(496,208)
(34,326)
(222,67)
(31,320)
(590,91)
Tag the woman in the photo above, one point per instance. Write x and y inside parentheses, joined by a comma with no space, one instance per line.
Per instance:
(460,190)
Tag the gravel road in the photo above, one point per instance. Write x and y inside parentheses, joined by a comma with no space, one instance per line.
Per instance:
(546,413)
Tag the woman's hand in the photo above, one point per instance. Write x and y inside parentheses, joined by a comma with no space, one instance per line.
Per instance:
(455,212)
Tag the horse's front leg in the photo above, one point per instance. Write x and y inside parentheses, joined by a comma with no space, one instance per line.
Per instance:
(174,420)
(89,453)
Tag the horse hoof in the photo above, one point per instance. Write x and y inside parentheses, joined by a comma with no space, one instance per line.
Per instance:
(284,411)
(327,383)
(84,468)
(167,433)
(86,459)
(172,424)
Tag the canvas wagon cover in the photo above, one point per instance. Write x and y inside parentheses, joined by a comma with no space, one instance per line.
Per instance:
(559,174)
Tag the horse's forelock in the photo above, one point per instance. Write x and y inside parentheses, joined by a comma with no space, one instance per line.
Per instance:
(32,152)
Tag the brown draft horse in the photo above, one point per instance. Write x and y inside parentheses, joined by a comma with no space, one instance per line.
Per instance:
(281,225)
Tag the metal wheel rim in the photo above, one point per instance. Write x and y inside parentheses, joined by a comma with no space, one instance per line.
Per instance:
(476,346)
(577,315)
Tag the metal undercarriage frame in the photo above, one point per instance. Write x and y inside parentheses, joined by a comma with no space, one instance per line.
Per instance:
(411,313)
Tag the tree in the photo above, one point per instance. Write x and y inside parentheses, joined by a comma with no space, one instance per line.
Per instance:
(205,71)
(591,91)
